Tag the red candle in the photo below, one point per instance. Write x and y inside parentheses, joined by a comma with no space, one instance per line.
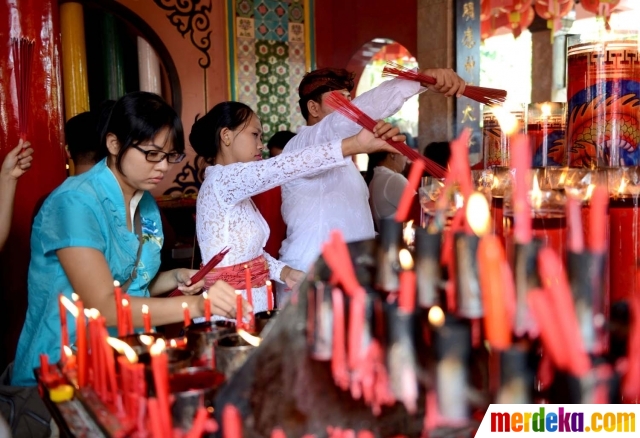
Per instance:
(238,309)
(187,316)
(598,218)
(117,292)
(247,279)
(269,295)
(155,418)
(70,359)
(81,342)
(407,293)
(63,326)
(520,160)
(44,367)
(624,212)
(231,422)
(199,423)
(160,369)
(126,316)
(576,239)
(146,318)
(415,174)
(207,306)
(108,370)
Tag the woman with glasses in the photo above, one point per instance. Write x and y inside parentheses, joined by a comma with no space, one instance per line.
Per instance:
(229,138)
(104,225)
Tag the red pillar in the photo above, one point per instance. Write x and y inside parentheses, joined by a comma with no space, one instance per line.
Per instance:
(38,21)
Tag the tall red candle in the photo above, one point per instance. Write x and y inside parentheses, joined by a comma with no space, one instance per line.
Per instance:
(520,160)
(146,318)
(269,295)
(126,311)
(207,306)
(81,342)
(231,422)
(63,326)
(238,309)
(160,369)
(187,316)
(624,246)
(407,293)
(247,279)
(117,292)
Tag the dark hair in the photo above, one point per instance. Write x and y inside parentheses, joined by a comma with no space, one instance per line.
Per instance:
(374,160)
(104,111)
(314,84)
(438,151)
(83,139)
(140,116)
(280,139)
(205,132)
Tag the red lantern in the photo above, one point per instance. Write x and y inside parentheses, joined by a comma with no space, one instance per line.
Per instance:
(522,22)
(600,7)
(553,11)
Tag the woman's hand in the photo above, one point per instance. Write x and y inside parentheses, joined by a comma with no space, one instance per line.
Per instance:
(223,300)
(17,161)
(183,280)
(447,81)
(293,278)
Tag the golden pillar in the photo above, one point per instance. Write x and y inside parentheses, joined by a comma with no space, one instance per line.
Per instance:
(74,59)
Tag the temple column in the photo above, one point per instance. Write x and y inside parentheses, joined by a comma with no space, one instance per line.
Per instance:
(148,68)
(74,59)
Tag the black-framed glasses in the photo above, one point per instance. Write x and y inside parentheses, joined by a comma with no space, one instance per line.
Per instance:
(154,156)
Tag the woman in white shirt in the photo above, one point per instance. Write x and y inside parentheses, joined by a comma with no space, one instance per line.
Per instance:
(386,183)
(229,137)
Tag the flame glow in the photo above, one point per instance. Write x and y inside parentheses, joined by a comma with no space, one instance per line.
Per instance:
(92,313)
(184,305)
(173,343)
(545,110)
(66,302)
(68,352)
(478,214)
(408,233)
(116,283)
(74,296)
(123,348)
(205,296)
(146,339)
(145,309)
(249,338)
(507,121)
(157,347)
(589,193)
(436,316)
(623,186)
(406,261)
(536,195)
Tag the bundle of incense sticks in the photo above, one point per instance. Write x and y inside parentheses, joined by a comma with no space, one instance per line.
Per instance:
(215,260)
(345,107)
(22,50)
(487,96)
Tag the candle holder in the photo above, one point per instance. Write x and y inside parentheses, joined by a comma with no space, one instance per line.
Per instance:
(320,321)
(135,341)
(546,126)
(389,244)
(262,318)
(231,351)
(202,336)
(429,195)
(192,388)
(177,359)
(525,263)
(624,222)
(515,377)
(496,144)
(602,76)
(500,184)
(401,354)
(428,269)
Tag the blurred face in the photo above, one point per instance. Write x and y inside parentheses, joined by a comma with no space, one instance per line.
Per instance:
(245,143)
(138,173)
(274,152)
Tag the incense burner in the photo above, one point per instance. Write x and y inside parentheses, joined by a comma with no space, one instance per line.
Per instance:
(231,351)
(201,338)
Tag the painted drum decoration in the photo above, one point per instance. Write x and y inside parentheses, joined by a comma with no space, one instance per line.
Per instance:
(603,94)
(546,123)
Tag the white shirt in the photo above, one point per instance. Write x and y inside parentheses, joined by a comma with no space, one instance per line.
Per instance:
(386,189)
(227,217)
(339,198)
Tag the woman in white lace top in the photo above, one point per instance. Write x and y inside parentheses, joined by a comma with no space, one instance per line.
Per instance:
(229,137)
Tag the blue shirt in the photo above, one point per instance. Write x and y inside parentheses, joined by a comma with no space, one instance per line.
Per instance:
(85,211)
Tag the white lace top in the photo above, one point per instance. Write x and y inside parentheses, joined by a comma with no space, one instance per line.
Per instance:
(339,198)
(227,217)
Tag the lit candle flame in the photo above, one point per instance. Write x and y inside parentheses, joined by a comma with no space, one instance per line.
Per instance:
(507,121)
(623,186)
(563,177)
(536,195)
(68,352)
(123,348)
(157,347)
(406,261)
(436,316)
(589,193)
(92,313)
(146,339)
(408,233)
(478,214)
(173,343)
(249,338)
(145,309)
(125,302)
(545,110)
(66,302)
(205,296)
(74,296)
(184,305)
(116,283)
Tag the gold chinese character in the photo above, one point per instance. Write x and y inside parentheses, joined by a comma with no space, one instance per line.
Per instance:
(467,114)
(467,39)
(470,64)
(468,12)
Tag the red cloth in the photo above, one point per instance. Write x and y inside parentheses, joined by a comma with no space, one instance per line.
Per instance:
(269,204)
(235,275)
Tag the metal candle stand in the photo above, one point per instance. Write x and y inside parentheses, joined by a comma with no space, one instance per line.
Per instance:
(201,338)
(388,248)
(192,388)
(526,278)
(320,321)
(467,282)
(231,351)
(428,270)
